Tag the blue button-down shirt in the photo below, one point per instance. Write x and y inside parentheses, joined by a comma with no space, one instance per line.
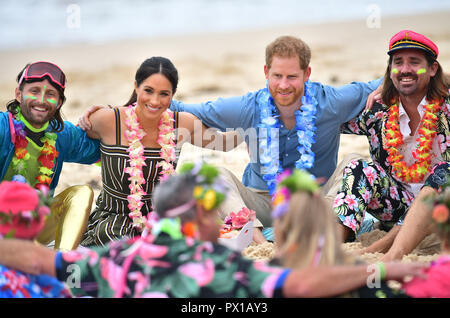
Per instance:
(335,107)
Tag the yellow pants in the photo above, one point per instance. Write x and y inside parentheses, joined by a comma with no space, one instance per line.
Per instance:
(69,216)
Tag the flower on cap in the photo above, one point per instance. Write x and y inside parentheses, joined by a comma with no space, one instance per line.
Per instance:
(440,213)
(440,206)
(23,210)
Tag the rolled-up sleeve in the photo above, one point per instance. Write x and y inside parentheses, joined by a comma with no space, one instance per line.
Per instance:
(349,100)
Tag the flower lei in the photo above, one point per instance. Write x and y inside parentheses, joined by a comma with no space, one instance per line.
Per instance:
(423,153)
(269,144)
(46,159)
(134,135)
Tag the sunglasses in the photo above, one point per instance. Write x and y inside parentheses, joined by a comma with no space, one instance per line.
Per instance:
(40,69)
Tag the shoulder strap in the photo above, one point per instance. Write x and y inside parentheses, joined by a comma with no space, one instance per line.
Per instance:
(118,130)
(175,125)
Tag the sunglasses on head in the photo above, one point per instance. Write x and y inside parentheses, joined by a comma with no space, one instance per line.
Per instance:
(40,69)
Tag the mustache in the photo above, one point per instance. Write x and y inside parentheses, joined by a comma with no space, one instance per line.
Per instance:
(402,75)
(35,103)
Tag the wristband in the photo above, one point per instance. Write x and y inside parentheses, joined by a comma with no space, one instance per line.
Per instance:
(382,270)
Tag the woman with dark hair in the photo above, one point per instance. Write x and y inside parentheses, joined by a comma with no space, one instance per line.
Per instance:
(140,149)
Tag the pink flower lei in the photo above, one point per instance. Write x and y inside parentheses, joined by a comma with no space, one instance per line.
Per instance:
(134,135)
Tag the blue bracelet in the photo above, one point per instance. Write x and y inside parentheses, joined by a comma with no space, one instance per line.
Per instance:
(58,260)
(281,279)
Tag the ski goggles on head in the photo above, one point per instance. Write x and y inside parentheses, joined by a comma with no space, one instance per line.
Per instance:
(40,69)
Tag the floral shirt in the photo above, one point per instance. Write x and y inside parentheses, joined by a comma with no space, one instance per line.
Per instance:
(166,267)
(372,123)
(14,284)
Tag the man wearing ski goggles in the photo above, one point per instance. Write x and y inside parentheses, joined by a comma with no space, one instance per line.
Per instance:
(34,143)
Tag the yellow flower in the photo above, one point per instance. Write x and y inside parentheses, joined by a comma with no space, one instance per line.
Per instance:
(198,190)
(210,199)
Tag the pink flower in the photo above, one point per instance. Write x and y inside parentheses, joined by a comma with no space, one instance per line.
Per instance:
(238,220)
(373,138)
(444,142)
(350,221)
(394,193)
(366,196)
(371,174)
(351,202)
(339,200)
(202,273)
(354,163)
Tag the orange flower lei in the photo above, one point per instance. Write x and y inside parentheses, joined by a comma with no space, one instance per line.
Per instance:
(46,159)
(423,154)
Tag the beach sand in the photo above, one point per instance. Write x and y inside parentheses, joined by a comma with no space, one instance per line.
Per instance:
(221,65)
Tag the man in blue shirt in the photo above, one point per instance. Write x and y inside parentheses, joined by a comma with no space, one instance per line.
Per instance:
(287,70)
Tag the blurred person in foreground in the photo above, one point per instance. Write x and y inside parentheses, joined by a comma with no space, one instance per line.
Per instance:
(180,257)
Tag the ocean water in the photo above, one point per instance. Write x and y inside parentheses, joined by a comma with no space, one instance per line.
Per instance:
(36,23)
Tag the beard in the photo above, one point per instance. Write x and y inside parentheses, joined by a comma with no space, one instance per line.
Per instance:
(284,101)
(36,113)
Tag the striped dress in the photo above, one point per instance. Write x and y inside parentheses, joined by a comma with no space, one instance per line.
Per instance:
(109,221)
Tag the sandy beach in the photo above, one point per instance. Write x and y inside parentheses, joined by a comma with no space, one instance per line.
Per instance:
(221,65)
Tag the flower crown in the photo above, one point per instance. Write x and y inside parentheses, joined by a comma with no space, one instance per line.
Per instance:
(17,221)
(210,190)
(441,206)
(288,183)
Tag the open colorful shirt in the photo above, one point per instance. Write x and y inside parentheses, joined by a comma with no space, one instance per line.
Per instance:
(166,267)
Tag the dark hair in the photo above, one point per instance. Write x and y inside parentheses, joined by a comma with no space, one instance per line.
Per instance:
(437,88)
(56,123)
(155,65)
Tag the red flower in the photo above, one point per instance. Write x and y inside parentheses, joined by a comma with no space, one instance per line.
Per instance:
(47,161)
(44,179)
(21,143)
(21,153)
